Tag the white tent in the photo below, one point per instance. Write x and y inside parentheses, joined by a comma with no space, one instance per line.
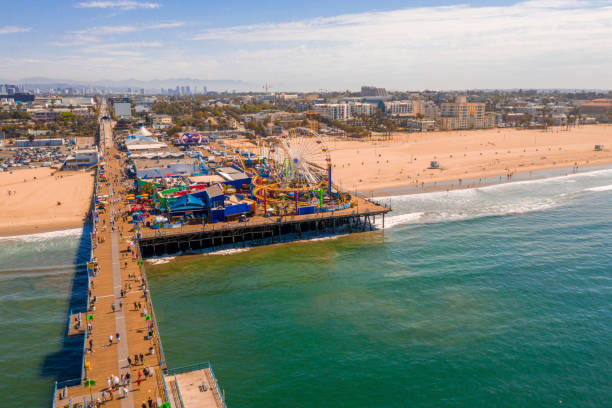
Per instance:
(143,132)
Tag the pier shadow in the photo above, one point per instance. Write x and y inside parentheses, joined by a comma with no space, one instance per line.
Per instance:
(66,363)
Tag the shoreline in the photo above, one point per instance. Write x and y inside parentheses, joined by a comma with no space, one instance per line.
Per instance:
(60,226)
(481,182)
(41,200)
(18,232)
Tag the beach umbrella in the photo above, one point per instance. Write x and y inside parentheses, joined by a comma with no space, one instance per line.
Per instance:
(89,317)
(147,317)
(165,405)
(140,262)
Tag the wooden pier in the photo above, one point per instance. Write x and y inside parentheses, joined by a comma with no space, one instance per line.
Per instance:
(261,230)
(119,327)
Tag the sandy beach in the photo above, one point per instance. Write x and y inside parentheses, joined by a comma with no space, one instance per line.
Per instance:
(43,200)
(404,160)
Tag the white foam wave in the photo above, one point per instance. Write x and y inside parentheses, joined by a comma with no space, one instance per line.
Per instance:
(599,189)
(43,236)
(400,219)
(161,260)
(230,251)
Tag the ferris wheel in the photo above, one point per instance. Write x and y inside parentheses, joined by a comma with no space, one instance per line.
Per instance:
(305,156)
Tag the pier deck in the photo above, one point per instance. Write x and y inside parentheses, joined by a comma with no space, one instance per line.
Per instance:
(259,229)
(113,314)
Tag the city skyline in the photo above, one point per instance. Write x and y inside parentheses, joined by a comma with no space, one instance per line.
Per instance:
(449,45)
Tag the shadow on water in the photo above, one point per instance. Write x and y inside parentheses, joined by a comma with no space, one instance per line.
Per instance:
(66,363)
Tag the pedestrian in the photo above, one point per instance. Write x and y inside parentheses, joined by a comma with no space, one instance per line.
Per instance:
(121,305)
(139,381)
(150,402)
(135,358)
(144,404)
(113,306)
(108,383)
(141,359)
(103,395)
(110,340)
(117,336)
(129,359)
(125,392)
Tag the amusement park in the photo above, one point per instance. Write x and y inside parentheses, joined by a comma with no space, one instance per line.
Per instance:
(235,179)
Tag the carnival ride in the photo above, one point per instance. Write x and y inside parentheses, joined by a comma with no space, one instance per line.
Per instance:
(296,175)
(191,139)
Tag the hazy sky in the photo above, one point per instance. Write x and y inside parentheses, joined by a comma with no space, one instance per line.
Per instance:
(315,44)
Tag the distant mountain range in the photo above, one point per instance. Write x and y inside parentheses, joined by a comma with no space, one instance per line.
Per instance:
(122,85)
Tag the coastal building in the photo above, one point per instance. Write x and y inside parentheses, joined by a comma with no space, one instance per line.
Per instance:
(82,158)
(162,121)
(404,108)
(461,114)
(431,110)
(333,111)
(600,109)
(362,108)
(373,91)
(490,119)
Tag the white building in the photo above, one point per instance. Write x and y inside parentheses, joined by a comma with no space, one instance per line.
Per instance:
(162,121)
(333,111)
(362,108)
(82,158)
(122,109)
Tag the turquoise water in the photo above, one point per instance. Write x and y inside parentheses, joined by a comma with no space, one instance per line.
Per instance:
(492,297)
(40,281)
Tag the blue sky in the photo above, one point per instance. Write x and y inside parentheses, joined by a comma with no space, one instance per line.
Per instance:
(315,44)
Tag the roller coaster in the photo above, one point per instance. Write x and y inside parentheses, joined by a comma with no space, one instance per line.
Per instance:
(297,174)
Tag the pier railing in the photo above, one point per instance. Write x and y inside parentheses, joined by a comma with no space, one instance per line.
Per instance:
(158,345)
(61,384)
(219,397)
(273,220)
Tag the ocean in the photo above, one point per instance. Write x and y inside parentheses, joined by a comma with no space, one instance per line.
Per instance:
(498,296)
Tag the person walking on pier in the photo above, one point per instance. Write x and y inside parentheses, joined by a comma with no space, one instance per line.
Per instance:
(129,359)
(110,340)
(117,337)
(113,306)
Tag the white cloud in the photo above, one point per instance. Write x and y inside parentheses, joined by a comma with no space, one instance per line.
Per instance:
(543,44)
(121,5)
(95,35)
(446,47)
(14,29)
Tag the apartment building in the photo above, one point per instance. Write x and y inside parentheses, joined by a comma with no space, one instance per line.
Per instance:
(405,108)
(431,110)
(333,111)
(162,121)
(362,108)
(461,114)
(373,91)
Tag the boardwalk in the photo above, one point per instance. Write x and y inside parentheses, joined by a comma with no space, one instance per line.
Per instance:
(121,333)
